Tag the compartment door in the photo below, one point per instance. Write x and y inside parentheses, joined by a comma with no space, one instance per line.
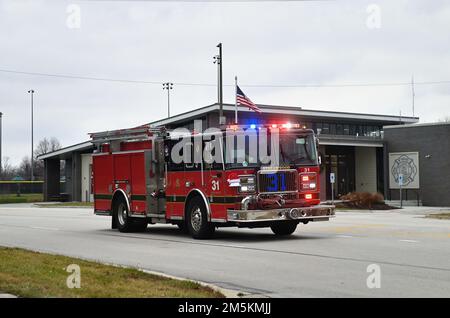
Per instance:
(137,183)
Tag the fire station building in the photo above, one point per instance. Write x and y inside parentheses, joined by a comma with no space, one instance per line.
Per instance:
(352,146)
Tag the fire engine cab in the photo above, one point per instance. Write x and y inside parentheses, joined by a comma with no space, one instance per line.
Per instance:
(137,180)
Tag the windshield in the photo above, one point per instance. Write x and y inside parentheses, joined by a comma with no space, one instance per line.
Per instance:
(294,148)
(297,149)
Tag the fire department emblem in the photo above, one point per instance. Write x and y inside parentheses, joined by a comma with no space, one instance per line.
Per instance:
(177,183)
(404,165)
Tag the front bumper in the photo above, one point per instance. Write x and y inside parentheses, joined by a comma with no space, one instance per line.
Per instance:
(311,213)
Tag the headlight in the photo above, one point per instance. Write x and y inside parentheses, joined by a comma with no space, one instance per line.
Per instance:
(247,183)
(308,181)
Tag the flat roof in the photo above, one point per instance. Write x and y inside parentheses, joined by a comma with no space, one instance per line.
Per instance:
(416,125)
(288,110)
(60,152)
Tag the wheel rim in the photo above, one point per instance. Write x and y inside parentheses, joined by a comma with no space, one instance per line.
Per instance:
(196,219)
(122,214)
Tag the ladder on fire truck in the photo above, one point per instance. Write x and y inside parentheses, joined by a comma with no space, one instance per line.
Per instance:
(144,132)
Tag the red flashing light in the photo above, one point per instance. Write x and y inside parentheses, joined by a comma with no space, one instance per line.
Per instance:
(305,178)
(287,125)
(308,196)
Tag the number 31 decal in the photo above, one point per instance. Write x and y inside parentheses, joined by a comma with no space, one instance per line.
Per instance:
(215,185)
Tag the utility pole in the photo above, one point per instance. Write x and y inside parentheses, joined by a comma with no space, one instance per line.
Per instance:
(1,164)
(219,61)
(235,101)
(168,86)
(413,93)
(31,91)
(216,61)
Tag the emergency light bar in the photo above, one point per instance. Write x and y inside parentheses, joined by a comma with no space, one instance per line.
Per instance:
(287,125)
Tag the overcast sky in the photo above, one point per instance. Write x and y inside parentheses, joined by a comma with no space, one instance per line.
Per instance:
(268,43)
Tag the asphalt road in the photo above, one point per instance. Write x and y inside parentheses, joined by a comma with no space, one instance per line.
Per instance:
(322,259)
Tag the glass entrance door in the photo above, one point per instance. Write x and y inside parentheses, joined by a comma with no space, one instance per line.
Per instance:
(340,160)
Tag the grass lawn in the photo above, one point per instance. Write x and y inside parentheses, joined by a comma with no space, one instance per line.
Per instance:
(65,204)
(24,198)
(30,274)
(441,216)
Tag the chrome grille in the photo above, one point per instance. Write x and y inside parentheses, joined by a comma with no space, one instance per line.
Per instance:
(277,181)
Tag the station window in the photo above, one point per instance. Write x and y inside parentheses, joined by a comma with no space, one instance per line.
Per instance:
(318,126)
(346,130)
(352,130)
(332,129)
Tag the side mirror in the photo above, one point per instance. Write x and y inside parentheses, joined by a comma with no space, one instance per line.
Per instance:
(317,147)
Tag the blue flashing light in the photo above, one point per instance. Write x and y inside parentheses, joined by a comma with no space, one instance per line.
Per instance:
(252,126)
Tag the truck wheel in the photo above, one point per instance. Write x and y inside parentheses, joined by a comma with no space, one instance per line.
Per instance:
(182,227)
(139,225)
(123,222)
(197,220)
(283,228)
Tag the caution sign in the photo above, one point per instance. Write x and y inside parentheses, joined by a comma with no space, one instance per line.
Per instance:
(404,170)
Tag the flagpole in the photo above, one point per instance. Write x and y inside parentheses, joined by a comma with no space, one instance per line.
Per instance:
(235,101)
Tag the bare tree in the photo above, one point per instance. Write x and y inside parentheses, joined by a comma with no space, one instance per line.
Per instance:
(44,146)
(24,169)
(8,170)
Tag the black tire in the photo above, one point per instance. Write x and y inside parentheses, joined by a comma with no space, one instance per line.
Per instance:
(283,228)
(197,219)
(182,227)
(140,225)
(125,223)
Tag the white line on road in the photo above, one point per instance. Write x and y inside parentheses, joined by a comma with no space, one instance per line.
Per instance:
(409,241)
(44,228)
(344,236)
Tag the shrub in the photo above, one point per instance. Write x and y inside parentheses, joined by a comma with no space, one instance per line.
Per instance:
(362,200)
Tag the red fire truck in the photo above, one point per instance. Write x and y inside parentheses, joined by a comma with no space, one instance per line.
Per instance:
(137,182)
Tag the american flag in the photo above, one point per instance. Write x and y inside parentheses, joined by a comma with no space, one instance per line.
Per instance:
(243,100)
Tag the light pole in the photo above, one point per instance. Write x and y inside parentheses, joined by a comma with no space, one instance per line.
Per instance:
(31,91)
(168,86)
(218,60)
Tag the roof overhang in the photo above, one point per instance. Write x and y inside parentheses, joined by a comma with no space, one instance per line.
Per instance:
(355,141)
(288,110)
(349,143)
(63,153)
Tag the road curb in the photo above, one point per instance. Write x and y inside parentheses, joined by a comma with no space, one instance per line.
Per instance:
(228,293)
